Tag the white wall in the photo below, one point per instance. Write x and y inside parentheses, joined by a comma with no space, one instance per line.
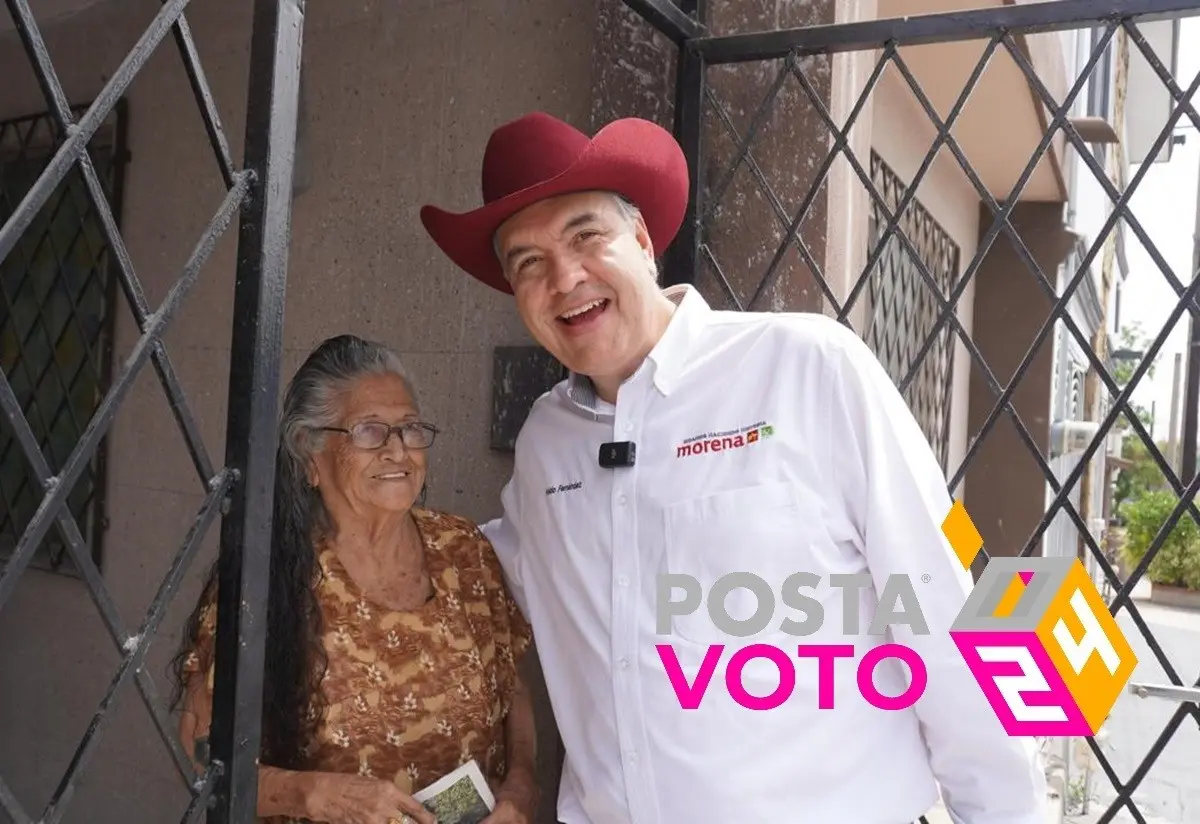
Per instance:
(1088,204)
(902,136)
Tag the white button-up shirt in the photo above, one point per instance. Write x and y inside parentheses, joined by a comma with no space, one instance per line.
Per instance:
(766,443)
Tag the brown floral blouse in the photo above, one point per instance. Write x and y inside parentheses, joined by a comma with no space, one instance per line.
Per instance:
(412,695)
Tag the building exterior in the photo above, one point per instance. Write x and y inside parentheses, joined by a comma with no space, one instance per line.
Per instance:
(1122,94)
(399,99)
(1079,400)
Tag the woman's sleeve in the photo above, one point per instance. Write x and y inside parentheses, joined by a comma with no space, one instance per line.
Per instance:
(511,632)
(200,658)
(197,676)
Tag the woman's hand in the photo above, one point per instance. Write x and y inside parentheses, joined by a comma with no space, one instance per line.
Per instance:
(516,799)
(509,812)
(351,799)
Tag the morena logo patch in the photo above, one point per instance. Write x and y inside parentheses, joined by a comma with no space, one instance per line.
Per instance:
(711,442)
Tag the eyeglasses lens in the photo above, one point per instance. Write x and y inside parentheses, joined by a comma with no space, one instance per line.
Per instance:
(375,435)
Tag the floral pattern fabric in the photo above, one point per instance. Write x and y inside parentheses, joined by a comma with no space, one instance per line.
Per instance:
(411,695)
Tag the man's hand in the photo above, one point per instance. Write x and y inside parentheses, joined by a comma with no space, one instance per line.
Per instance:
(350,799)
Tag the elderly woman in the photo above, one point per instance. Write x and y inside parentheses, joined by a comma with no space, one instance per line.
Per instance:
(392,643)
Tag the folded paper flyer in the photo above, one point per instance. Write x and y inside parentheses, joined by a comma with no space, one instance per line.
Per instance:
(461,797)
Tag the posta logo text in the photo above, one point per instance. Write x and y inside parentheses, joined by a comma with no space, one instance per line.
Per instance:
(1034,632)
(1039,639)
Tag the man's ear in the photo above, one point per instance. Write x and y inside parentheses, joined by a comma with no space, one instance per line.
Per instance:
(643,238)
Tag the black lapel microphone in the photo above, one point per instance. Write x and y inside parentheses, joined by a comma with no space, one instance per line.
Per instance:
(620,453)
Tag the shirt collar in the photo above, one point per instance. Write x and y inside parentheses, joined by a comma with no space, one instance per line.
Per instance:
(669,355)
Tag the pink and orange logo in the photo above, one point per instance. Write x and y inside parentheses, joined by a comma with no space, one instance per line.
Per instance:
(1039,639)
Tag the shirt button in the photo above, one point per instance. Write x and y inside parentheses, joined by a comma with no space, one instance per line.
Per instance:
(628,426)
(623,663)
(632,755)
(623,580)
(621,500)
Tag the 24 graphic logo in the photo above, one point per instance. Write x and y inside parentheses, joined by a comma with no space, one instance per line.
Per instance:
(1039,639)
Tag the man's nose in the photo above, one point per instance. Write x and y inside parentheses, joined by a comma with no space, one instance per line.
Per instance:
(568,273)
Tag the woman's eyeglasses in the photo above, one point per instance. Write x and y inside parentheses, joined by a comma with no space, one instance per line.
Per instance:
(373,435)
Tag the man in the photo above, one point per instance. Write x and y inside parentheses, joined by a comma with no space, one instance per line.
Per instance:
(764,443)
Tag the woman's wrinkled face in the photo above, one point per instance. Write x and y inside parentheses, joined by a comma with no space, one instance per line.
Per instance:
(362,480)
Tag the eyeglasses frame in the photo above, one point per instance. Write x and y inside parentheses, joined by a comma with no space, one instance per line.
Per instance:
(397,429)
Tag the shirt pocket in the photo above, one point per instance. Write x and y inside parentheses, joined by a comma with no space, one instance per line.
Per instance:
(765,530)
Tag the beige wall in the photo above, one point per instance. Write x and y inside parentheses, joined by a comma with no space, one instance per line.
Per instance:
(902,135)
(1001,310)
(401,98)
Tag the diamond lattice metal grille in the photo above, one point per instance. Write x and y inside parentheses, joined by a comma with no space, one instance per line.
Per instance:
(734,145)
(57,291)
(902,311)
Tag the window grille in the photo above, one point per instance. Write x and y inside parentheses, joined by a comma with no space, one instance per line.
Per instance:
(57,295)
(903,311)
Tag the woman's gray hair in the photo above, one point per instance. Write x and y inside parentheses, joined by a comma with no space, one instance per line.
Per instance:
(313,399)
(295,662)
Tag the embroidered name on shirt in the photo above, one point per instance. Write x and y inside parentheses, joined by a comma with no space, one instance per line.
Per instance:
(550,490)
(721,441)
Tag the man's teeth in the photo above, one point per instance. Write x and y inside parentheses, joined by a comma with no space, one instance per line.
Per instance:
(391,475)
(579,310)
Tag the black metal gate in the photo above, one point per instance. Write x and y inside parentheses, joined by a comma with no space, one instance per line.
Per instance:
(259,192)
(793,64)
(239,491)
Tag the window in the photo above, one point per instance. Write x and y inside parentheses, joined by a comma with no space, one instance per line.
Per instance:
(57,295)
(1116,319)
(1077,395)
(903,310)
(1099,86)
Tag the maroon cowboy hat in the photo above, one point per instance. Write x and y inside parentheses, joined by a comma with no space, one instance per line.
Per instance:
(538,156)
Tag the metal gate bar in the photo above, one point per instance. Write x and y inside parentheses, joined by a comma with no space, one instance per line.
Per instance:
(999,26)
(682,258)
(60,109)
(251,429)
(928,29)
(241,490)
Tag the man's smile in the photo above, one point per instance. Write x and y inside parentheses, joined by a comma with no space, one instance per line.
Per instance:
(585,315)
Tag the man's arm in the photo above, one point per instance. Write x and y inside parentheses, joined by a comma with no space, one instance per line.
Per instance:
(505,538)
(897,498)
